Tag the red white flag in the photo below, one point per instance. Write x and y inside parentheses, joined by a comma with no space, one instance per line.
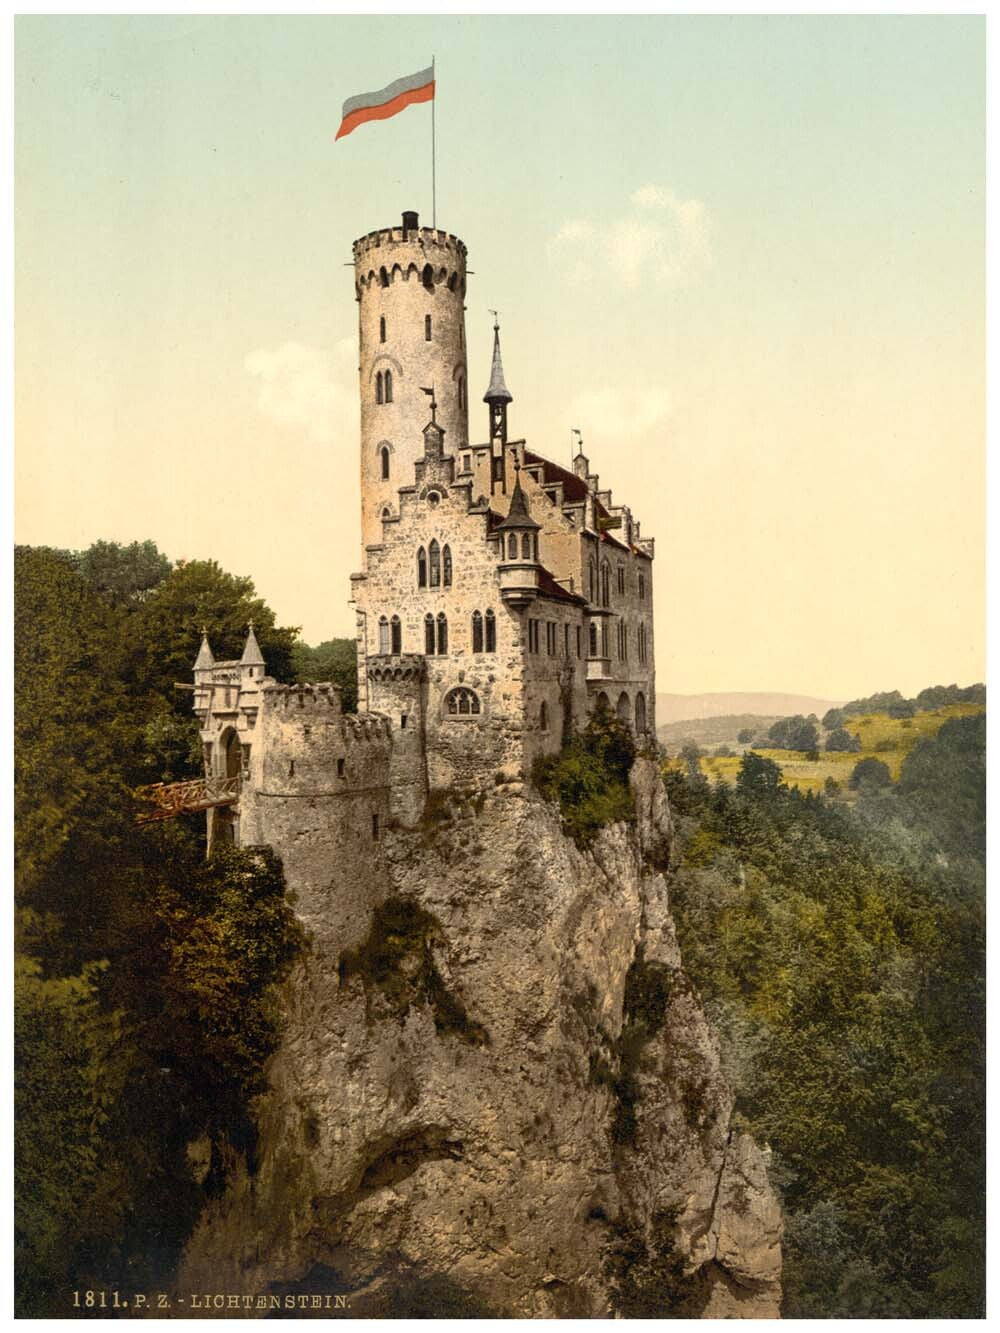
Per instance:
(388,101)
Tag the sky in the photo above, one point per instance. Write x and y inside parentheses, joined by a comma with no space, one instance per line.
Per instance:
(744,256)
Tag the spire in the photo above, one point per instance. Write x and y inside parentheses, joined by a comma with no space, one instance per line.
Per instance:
(498,391)
(204,658)
(252,656)
(519,515)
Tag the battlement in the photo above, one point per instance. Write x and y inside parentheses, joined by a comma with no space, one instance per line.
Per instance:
(429,273)
(385,237)
(323,697)
(397,666)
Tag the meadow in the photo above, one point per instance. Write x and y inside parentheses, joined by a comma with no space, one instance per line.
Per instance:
(882,737)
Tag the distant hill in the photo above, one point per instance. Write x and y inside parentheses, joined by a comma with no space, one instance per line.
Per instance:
(687,707)
(724,729)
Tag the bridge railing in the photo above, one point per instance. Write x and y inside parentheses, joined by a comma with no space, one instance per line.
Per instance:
(170,799)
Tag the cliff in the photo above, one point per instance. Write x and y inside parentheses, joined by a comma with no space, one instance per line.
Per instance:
(497,1093)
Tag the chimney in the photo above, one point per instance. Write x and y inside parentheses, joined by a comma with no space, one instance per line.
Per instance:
(411,222)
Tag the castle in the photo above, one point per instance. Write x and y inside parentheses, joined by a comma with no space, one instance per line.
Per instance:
(502,598)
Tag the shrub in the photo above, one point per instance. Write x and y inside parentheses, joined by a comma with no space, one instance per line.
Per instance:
(869,773)
(841,740)
(589,778)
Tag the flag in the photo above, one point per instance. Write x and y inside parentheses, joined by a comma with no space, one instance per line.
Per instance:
(388,101)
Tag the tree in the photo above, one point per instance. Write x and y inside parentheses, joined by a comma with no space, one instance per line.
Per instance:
(123,575)
(334,660)
(758,775)
(841,741)
(745,736)
(794,733)
(869,773)
(691,754)
(833,718)
(722,752)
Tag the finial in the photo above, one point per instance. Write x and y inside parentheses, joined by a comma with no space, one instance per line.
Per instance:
(434,405)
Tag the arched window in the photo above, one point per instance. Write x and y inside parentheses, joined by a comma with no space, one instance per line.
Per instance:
(396,635)
(543,717)
(477,632)
(526,546)
(388,386)
(421,568)
(384,452)
(605,581)
(512,546)
(593,638)
(383,277)
(461,393)
(462,703)
(427,277)
(446,561)
(435,565)
(378,387)
(442,626)
(383,634)
(427,328)
(603,703)
(593,581)
(621,580)
(642,643)
(381,329)
(429,634)
(642,586)
(640,713)
(624,709)
(491,632)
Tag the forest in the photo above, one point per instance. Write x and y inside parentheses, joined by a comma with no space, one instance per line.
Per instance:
(839,951)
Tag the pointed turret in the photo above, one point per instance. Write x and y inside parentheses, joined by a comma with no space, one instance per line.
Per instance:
(518,549)
(519,515)
(252,656)
(205,658)
(497,395)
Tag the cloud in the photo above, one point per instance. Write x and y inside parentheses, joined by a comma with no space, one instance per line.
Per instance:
(616,413)
(662,238)
(305,388)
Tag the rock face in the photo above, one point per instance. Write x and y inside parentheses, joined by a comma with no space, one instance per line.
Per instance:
(497,1093)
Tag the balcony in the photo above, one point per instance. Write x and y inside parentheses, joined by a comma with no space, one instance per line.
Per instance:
(598,668)
(518,583)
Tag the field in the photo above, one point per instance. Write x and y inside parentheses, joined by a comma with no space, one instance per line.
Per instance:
(882,737)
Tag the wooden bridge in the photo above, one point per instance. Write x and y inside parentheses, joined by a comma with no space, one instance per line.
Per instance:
(170,799)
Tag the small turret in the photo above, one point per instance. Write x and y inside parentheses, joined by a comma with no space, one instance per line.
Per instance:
(205,658)
(497,395)
(252,656)
(519,549)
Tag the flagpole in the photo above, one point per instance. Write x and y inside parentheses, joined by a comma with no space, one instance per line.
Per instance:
(433,151)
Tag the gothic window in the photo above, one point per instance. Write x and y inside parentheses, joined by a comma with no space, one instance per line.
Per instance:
(397,635)
(477,632)
(642,586)
(383,277)
(421,568)
(593,581)
(642,643)
(435,565)
(533,636)
(386,512)
(381,329)
(566,640)
(461,393)
(378,387)
(624,709)
(384,452)
(550,638)
(446,560)
(579,641)
(388,386)
(604,639)
(621,580)
(543,717)
(605,581)
(429,634)
(640,713)
(427,328)
(383,634)
(593,638)
(462,703)
(526,546)
(442,635)
(491,632)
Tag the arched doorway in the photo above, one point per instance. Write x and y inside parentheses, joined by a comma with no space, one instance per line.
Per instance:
(230,765)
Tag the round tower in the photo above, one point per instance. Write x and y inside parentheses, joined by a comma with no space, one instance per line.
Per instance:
(410,285)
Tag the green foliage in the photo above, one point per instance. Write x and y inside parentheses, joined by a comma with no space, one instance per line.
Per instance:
(869,772)
(397,961)
(844,971)
(123,575)
(745,736)
(335,660)
(833,718)
(940,696)
(590,778)
(146,1000)
(794,733)
(841,740)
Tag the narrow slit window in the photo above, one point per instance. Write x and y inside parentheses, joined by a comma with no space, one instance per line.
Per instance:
(427,328)
(388,386)
(385,462)
(381,329)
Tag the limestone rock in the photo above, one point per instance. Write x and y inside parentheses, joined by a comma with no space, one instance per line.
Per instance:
(497,1093)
